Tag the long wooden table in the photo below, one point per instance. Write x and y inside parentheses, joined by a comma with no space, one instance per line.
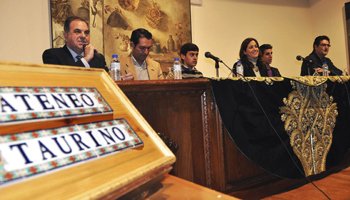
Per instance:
(185,111)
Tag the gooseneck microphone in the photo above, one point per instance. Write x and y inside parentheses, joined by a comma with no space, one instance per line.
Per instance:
(96,54)
(217,60)
(309,61)
(317,65)
(209,55)
(303,59)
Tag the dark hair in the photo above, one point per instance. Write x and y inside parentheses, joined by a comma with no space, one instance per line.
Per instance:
(188,47)
(69,20)
(140,33)
(264,47)
(244,46)
(319,39)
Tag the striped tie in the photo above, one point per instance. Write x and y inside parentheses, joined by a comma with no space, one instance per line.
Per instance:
(79,56)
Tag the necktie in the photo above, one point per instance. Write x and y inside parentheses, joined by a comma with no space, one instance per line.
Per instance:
(269,72)
(79,56)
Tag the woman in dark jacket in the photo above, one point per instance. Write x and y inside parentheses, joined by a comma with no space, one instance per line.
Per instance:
(249,54)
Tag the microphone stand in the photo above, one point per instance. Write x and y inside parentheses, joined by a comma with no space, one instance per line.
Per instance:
(347,90)
(217,68)
(233,73)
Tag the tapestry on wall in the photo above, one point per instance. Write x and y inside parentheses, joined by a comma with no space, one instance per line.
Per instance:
(112,21)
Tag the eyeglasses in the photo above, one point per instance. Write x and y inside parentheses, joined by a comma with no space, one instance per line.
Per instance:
(143,49)
(323,45)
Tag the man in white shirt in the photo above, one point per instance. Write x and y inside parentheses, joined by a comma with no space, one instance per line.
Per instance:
(137,65)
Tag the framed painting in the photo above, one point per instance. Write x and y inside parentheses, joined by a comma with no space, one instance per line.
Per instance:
(111,23)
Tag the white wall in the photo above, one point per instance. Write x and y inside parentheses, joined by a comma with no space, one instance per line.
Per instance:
(328,18)
(25,30)
(218,26)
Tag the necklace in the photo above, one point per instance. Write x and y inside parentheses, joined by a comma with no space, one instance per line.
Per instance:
(256,69)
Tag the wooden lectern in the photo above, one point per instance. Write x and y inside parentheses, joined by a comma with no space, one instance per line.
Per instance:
(71,133)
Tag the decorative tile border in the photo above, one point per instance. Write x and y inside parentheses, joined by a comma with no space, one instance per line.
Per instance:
(22,155)
(23,104)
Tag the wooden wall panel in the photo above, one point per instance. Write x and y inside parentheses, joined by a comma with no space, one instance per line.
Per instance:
(185,111)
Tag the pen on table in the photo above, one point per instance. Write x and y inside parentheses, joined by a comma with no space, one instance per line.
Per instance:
(126,72)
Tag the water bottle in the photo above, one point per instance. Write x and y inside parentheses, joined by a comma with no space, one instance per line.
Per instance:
(325,69)
(239,69)
(177,69)
(115,68)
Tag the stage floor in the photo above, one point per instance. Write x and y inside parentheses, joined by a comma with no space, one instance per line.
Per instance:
(335,186)
(335,183)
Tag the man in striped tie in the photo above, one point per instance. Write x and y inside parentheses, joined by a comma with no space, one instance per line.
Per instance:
(77,51)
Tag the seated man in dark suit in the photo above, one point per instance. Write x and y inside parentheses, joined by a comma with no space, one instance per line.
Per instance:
(77,51)
(318,57)
(265,55)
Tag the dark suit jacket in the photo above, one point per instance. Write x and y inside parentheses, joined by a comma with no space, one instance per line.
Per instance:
(275,71)
(317,63)
(248,70)
(62,56)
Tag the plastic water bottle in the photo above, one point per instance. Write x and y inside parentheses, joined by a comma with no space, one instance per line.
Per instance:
(115,68)
(325,69)
(177,69)
(239,69)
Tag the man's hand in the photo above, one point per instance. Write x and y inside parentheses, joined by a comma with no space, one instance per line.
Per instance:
(89,52)
(128,76)
(320,70)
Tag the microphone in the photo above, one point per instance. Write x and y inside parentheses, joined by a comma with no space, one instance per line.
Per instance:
(317,65)
(309,62)
(209,55)
(96,54)
(303,59)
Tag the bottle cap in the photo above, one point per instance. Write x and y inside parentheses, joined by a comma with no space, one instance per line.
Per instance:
(115,56)
(176,59)
(238,62)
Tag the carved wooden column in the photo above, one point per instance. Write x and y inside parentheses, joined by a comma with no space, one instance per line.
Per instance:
(182,110)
